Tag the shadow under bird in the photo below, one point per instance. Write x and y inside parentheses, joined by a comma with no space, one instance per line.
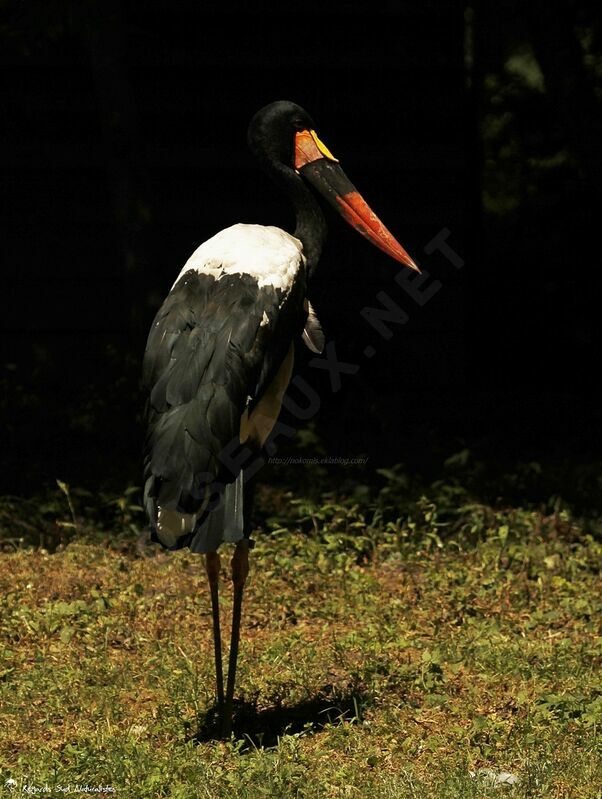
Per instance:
(220,355)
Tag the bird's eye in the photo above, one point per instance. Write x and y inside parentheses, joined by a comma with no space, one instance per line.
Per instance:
(299,124)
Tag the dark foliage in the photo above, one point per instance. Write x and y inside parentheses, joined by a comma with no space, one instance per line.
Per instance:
(125,148)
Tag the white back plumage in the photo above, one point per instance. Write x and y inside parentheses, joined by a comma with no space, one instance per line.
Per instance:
(267,253)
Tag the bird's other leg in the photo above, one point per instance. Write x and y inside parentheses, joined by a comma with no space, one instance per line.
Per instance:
(212,565)
(240,570)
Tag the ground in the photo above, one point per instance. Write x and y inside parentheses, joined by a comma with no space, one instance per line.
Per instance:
(417,655)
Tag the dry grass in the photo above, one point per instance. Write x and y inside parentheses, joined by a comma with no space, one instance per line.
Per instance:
(436,659)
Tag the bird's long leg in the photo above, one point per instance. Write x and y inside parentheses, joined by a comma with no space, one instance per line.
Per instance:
(212,565)
(240,570)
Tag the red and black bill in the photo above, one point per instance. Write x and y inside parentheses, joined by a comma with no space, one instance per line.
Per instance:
(317,165)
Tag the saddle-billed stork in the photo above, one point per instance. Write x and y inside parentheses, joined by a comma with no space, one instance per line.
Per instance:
(220,354)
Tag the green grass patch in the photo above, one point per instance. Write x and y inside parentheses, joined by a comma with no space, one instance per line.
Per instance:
(390,649)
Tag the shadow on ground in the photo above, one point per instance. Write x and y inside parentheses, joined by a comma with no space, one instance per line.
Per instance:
(263,728)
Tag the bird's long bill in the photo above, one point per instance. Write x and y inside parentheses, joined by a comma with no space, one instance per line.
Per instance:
(317,165)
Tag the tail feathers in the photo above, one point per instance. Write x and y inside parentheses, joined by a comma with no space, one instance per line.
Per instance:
(225,523)
(172,526)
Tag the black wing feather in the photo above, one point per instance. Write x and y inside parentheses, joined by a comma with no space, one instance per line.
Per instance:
(207,352)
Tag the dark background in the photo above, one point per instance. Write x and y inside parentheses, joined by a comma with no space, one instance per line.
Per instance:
(124,147)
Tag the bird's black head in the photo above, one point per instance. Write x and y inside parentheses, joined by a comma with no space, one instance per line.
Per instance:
(272,131)
(283,139)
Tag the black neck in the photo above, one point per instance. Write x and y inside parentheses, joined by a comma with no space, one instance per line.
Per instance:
(310,226)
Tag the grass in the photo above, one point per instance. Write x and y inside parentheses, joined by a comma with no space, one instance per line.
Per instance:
(392,647)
